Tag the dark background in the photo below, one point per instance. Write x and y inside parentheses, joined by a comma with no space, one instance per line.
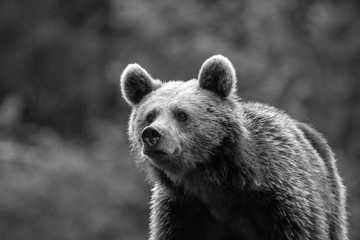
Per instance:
(65,167)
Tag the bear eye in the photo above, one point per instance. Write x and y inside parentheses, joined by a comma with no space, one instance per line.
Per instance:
(181,116)
(150,117)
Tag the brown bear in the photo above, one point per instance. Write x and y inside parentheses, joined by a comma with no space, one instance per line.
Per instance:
(223,168)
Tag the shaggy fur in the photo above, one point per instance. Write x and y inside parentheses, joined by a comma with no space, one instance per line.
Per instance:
(231,169)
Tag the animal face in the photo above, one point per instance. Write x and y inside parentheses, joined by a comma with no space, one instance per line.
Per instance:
(176,125)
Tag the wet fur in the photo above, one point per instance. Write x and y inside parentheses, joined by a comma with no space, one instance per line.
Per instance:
(247,170)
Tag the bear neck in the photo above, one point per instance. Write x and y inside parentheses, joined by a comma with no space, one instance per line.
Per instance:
(228,175)
(231,166)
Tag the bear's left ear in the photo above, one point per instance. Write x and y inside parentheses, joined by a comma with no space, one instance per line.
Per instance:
(136,83)
(217,74)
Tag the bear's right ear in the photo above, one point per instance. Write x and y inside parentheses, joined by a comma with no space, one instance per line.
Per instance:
(136,83)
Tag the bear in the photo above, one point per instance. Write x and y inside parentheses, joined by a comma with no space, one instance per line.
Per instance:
(224,168)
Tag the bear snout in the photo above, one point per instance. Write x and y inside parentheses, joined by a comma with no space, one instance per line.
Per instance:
(151,137)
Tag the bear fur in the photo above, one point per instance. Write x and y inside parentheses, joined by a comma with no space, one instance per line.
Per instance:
(223,168)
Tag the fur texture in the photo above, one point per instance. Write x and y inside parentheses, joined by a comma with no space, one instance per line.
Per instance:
(228,169)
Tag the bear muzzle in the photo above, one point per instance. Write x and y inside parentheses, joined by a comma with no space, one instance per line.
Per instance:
(151,138)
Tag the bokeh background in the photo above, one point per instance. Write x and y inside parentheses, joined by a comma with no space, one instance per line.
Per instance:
(65,168)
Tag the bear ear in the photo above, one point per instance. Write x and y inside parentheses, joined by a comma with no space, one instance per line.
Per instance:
(217,74)
(136,83)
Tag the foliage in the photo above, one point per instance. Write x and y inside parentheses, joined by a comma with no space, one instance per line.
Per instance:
(53,189)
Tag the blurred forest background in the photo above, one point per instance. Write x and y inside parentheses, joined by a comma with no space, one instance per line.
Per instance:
(65,168)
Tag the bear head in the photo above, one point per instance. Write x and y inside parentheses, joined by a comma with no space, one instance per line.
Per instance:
(177,125)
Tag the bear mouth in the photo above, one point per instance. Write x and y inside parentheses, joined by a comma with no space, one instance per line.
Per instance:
(156,154)
(162,160)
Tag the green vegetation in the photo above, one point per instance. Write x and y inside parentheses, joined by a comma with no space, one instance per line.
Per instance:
(65,167)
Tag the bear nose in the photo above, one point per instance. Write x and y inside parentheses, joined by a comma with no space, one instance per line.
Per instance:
(150,136)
